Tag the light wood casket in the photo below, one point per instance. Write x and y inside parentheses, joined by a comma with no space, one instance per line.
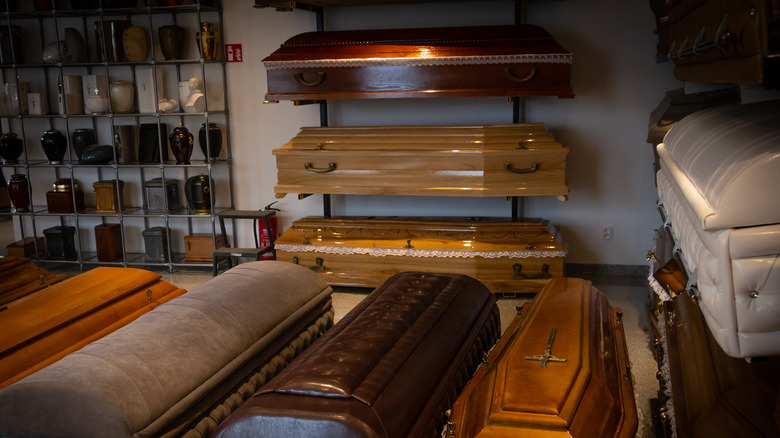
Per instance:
(522,60)
(507,256)
(481,160)
(590,394)
(43,327)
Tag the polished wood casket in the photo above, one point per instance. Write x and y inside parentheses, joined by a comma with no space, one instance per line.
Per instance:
(19,276)
(43,327)
(507,256)
(560,370)
(521,60)
(480,160)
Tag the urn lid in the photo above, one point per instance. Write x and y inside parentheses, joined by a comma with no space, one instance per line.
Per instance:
(158,182)
(64,184)
(18,176)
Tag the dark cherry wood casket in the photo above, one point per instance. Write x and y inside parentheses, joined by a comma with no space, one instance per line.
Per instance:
(522,60)
(560,370)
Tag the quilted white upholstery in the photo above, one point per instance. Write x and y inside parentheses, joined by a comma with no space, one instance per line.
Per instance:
(726,219)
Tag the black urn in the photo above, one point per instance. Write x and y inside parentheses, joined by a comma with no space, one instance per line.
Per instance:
(54,144)
(214,137)
(197,190)
(81,138)
(181,144)
(11,147)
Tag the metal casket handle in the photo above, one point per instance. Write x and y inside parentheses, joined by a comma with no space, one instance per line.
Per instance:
(517,267)
(310,167)
(511,76)
(317,267)
(532,169)
(320,79)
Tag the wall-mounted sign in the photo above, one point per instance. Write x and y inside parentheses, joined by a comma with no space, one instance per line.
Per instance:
(233,53)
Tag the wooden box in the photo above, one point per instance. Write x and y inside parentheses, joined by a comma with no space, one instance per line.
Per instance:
(26,247)
(481,160)
(521,60)
(108,239)
(61,198)
(57,320)
(200,247)
(507,256)
(560,370)
(108,196)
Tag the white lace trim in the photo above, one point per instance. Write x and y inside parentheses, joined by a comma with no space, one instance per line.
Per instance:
(659,290)
(666,374)
(548,58)
(412,252)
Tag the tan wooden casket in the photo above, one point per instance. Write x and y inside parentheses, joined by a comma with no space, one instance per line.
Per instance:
(590,394)
(481,160)
(43,327)
(507,256)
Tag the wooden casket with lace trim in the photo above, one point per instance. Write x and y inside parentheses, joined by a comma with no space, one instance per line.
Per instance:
(507,256)
(522,60)
(479,160)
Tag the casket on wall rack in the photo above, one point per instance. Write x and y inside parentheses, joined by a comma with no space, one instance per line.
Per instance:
(717,186)
(489,160)
(507,256)
(522,60)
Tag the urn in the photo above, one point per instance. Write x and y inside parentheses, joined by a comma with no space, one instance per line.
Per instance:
(122,96)
(64,194)
(171,41)
(197,190)
(81,138)
(208,41)
(210,140)
(11,147)
(181,144)
(54,144)
(96,103)
(19,192)
(135,41)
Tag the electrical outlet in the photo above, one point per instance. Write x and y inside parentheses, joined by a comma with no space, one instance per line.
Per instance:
(607,232)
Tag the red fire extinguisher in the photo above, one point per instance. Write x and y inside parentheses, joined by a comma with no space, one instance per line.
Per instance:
(264,240)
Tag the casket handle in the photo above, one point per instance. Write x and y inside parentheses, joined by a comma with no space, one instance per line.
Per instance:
(532,169)
(511,76)
(320,79)
(310,167)
(517,267)
(318,261)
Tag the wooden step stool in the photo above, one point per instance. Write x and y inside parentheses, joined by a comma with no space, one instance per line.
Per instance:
(228,253)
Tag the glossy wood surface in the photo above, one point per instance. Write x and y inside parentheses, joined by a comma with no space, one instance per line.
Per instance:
(42,327)
(424,160)
(19,276)
(588,395)
(509,61)
(434,234)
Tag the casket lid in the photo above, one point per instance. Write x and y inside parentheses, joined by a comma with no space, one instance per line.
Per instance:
(423,46)
(586,376)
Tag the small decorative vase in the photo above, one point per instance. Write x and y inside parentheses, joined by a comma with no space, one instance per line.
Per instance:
(135,41)
(171,41)
(108,40)
(208,41)
(81,138)
(11,147)
(198,192)
(96,103)
(214,137)
(181,144)
(122,96)
(19,193)
(54,144)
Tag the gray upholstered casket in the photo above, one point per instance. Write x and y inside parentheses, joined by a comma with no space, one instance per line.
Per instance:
(718,190)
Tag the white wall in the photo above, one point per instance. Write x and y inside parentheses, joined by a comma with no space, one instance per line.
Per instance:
(616,83)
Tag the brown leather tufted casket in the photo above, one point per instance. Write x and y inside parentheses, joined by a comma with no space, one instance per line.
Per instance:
(390,368)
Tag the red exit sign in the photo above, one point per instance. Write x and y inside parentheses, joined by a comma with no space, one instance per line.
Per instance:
(233,53)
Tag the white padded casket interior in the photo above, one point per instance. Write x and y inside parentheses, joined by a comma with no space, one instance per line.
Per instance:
(730,157)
